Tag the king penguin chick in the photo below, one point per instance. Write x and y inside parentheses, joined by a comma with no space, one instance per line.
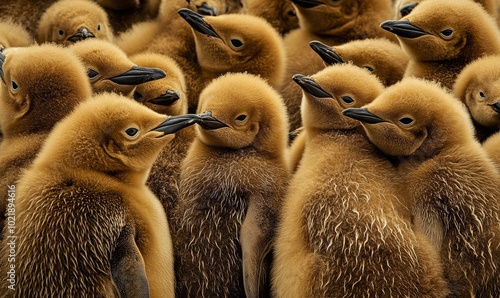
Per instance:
(84,214)
(380,56)
(404,7)
(447,174)
(13,35)
(40,85)
(341,234)
(68,21)
(442,37)
(232,184)
(232,43)
(166,96)
(110,70)
(280,14)
(333,23)
(478,86)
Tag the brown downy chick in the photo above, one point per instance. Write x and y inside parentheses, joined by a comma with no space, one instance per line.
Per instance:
(280,14)
(342,233)
(85,217)
(166,96)
(110,70)
(447,174)
(232,43)
(68,21)
(478,87)
(442,37)
(333,23)
(380,56)
(232,184)
(13,34)
(39,86)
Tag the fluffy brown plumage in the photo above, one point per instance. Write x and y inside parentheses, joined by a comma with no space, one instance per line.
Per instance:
(404,7)
(280,14)
(166,96)
(232,185)
(86,224)
(27,13)
(341,234)
(123,14)
(13,34)
(110,70)
(68,21)
(333,23)
(442,37)
(41,85)
(478,87)
(447,174)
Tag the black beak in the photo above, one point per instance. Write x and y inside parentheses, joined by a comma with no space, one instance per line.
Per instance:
(82,34)
(403,28)
(197,22)
(138,75)
(310,86)
(306,3)
(175,123)
(363,115)
(496,107)
(406,9)
(206,9)
(325,52)
(166,99)
(2,60)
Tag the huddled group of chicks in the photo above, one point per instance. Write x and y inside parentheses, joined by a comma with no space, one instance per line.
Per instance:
(223,148)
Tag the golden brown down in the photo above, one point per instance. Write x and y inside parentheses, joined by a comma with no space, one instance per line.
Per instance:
(13,34)
(232,185)
(442,37)
(40,85)
(448,175)
(341,233)
(280,14)
(333,23)
(478,87)
(404,7)
(86,224)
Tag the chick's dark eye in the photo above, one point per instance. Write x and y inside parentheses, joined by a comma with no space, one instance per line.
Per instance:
(292,13)
(406,121)
(99,27)
(369,68)
(92,74)
(14,86)
(481,94)
(237,43)
(347,99)
(60,32)
(447,32)
(132,131)
(241,118)
(137,96)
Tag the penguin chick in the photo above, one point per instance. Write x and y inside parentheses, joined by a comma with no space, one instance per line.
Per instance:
(232,183)
(442,37)
(68,21)
(380,56)
(39,86)
(166,96)
(362,246)
(233,43)
(84,214)
(404,7)
(492,148)
(445,169)
(110,70)
(333,23)
(13,35)
(280,14)
(478,87)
